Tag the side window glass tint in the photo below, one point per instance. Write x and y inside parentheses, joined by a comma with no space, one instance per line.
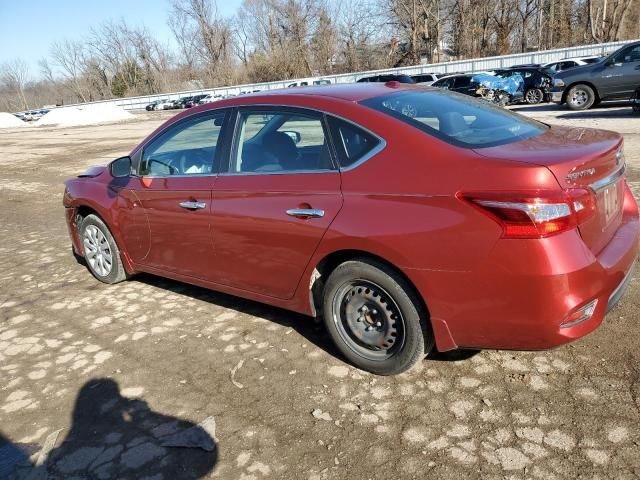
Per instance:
(188,149)
(461,82)
(280,141)
(352,143)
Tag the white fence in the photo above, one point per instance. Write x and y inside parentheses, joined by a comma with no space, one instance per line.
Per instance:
(471,65)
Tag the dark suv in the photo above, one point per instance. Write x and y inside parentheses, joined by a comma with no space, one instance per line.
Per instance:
(615,77)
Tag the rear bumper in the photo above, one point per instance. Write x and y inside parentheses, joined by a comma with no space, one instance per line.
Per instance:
(617,294)
(520,297)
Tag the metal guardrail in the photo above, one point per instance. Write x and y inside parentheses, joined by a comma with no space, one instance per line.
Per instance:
(470,65)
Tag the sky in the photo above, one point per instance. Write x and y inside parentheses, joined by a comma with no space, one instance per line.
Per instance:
(29,27)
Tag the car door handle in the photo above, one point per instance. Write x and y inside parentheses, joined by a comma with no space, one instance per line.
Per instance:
(305,213)
(193,205)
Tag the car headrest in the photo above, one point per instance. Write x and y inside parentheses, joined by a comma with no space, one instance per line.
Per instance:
(282,147)
(452,123)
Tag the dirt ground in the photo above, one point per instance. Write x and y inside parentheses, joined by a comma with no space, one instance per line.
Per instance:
(121,370)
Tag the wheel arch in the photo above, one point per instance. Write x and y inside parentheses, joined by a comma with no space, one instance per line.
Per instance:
(84,209)
(332,260)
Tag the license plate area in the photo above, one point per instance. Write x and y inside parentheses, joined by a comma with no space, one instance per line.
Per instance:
(609,201)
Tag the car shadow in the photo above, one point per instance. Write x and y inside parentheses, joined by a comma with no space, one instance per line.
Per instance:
(311,329)
(603,110)
(620,111)
(307,327)
(112,436)
(459,355)
(540,107)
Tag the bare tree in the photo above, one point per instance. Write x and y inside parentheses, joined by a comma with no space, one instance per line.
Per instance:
(418,23)
(14,75)
(69,57)
(606,17)
(207,36)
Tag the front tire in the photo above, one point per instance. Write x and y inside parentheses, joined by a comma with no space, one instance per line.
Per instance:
(375,318)
(101,253)
(580,97)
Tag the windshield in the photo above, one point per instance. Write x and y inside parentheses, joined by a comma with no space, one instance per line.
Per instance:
(457,119)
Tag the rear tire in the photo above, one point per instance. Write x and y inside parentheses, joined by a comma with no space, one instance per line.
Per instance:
(101,253)
(580,97)
(375,318)
(533,96)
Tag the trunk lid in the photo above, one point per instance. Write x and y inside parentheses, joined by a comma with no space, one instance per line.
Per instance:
(578,157)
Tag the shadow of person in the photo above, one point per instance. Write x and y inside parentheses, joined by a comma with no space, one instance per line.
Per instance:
(14,458)
(117,437)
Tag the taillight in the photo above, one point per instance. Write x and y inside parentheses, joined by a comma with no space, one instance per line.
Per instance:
(535,214)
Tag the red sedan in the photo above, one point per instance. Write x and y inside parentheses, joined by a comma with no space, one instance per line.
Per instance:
(404,216)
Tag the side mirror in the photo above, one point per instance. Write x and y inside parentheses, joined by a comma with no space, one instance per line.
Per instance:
(121,167)
(295,136)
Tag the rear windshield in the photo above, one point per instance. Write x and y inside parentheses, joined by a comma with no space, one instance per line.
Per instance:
(457,119)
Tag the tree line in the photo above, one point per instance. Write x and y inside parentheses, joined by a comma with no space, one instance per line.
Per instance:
(270,40)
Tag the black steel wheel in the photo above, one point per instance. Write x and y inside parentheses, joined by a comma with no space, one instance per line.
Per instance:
(375,317)
(368,319)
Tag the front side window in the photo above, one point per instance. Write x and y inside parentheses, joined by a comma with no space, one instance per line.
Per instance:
(187,149)
(457,119)
(280,141)
(628,55)
(352,142)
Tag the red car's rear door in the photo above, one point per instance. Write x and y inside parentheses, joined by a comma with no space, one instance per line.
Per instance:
(271,208)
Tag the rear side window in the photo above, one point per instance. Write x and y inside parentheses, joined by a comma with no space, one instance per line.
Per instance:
(461,82)
(352,143)
(457,119)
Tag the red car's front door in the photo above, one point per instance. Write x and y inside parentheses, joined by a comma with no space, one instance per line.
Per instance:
(179,171)
(273,205)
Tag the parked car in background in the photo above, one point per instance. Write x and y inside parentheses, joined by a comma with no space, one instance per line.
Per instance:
(210,98)
(152,105)
(181,102)
(509,234)
(568,63)
(387,78)
(195,100)
(425,78)
(468,84)
(537,82)
(165,104)
(635,101)
(32,115)
(306,83)
(615,77)
(526,65)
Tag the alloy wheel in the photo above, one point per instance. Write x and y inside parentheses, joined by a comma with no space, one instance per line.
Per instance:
(533,96)
(97,251)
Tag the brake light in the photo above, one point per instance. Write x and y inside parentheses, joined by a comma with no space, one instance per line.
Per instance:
(535,214)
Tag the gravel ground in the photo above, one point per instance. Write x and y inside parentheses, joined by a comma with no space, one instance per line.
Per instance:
(124,373)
